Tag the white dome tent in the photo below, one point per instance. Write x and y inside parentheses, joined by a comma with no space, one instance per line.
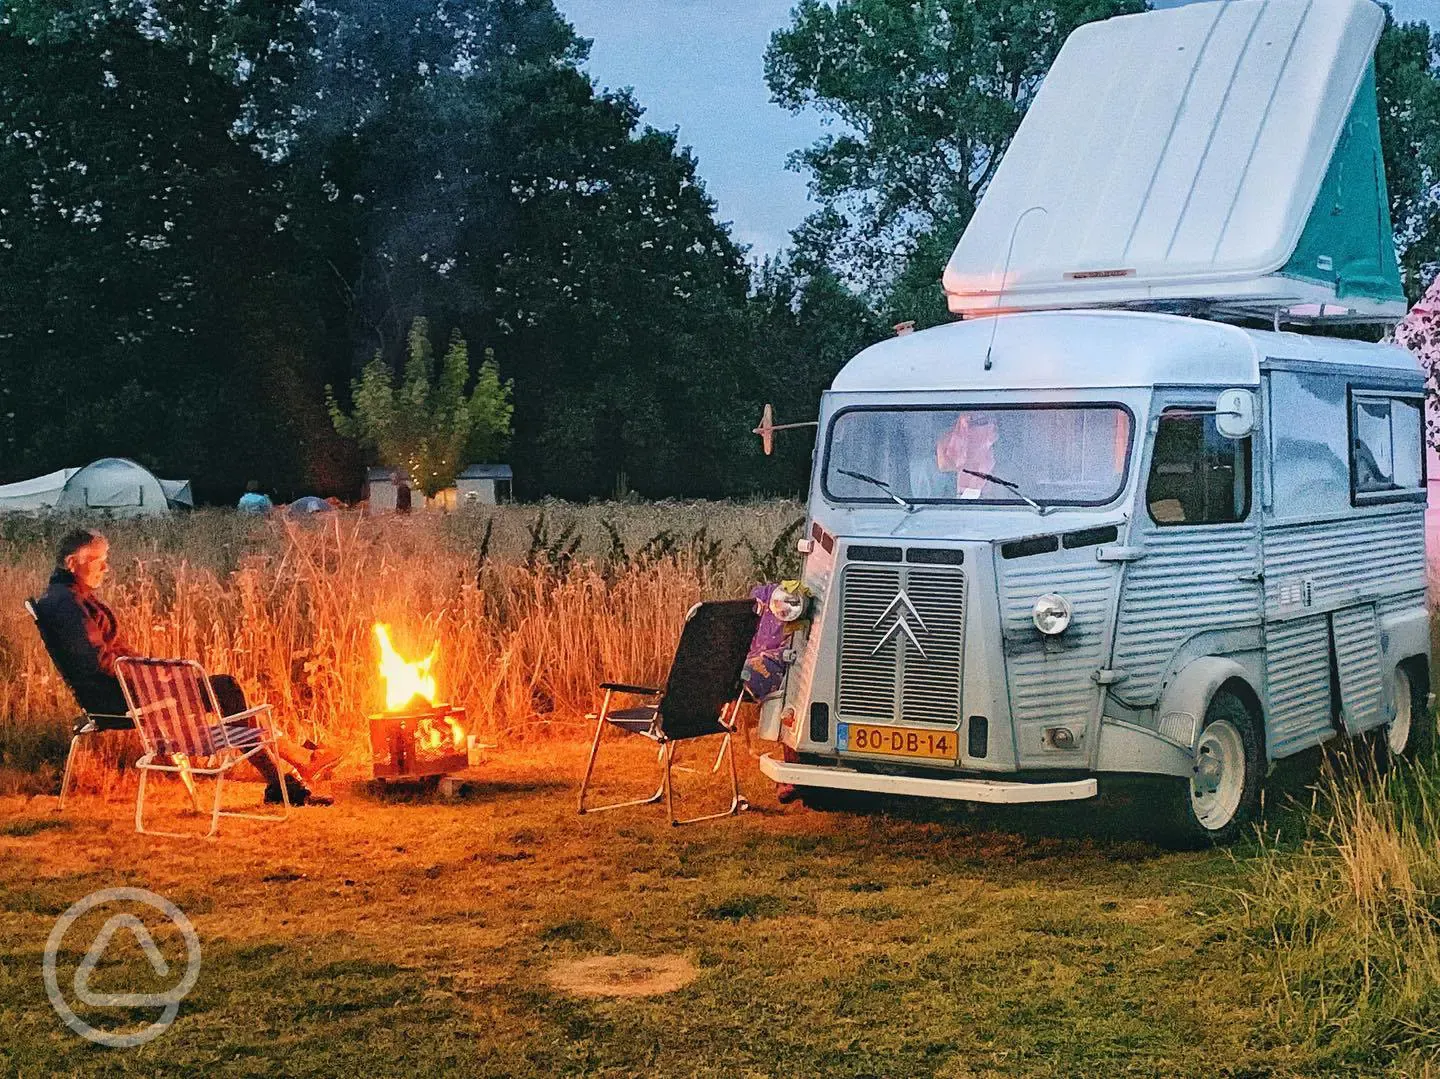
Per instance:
(114,486)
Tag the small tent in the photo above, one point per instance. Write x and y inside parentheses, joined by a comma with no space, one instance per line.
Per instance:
(116,486)
(30,496)
(1222,156)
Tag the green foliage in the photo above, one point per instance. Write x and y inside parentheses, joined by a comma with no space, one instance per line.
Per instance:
(929,94)
(555,553)
(428,425)
(782,561)
(1407,78)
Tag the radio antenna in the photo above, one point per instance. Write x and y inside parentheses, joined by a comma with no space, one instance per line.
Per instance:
(1005,277)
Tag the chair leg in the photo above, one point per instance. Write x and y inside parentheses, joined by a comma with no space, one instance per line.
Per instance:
(69,772)
(140,802)
(594,749)
(737,801)
(665,784)
(590,769)
(215,812)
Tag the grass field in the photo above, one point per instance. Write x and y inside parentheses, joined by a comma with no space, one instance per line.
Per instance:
(418,938)
(390,936)
(407,935)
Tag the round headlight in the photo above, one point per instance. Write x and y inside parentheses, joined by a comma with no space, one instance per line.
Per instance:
(785,605)
(1051,614)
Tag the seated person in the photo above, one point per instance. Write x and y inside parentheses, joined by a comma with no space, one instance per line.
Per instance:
(83,637)
(970,444)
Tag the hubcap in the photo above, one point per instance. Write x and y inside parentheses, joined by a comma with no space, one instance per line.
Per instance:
(1397,731)
(1219,781)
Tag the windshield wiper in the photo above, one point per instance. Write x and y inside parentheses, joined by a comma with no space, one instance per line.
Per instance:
(909,507)
(1009,485)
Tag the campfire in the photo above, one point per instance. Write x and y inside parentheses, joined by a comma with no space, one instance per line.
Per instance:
(414,737)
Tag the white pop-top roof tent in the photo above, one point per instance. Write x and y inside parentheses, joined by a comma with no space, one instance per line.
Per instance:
(116,486)
(1222,156)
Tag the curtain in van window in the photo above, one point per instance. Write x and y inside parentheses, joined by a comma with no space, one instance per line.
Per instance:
(1386,455)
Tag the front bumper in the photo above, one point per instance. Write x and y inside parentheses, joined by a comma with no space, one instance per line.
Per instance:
(996,791)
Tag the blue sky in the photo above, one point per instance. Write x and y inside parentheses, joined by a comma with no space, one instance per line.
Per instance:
(698,65)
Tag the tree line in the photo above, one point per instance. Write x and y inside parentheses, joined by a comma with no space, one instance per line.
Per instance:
(211,210)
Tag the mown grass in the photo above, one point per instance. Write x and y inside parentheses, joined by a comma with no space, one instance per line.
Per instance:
(417,937)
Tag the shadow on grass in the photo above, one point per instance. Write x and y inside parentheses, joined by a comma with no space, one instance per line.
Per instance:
(426,790)
(1122,825)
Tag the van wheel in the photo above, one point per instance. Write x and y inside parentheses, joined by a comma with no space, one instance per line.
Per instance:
(1411,734)
(1220,798)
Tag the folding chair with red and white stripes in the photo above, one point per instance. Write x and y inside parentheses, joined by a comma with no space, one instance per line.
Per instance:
(179,719)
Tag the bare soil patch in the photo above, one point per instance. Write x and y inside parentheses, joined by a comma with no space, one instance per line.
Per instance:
(623,975)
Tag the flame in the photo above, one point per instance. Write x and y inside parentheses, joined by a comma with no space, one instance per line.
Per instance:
(404,681)
(430,737)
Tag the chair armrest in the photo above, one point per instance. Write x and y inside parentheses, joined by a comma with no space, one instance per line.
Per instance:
(622,687)
(247,714)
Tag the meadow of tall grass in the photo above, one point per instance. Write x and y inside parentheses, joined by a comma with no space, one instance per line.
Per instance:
(531,606)
(1348,913)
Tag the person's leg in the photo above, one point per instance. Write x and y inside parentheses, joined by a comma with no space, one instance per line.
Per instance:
(231,699)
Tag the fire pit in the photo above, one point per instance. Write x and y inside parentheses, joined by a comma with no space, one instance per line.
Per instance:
(416,744)
(414,738)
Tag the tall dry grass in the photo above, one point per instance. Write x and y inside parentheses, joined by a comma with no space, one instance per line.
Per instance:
(531,606)
(1350,917)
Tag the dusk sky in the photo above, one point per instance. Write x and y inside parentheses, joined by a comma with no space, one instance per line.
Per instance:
(699,65)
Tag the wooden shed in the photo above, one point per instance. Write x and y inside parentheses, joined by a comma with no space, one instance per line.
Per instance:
(485,485)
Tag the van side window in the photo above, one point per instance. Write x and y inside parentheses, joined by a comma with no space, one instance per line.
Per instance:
(1386,448)
(1197,476)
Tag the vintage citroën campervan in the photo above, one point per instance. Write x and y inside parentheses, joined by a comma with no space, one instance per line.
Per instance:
(1106,524)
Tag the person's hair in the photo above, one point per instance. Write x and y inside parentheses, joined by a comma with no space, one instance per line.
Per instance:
(252,485)
(74,541)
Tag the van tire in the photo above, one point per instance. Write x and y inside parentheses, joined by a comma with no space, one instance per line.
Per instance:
(1411,735)
(1213,806)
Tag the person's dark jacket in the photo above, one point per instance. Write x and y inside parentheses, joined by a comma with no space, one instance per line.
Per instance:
(83,638)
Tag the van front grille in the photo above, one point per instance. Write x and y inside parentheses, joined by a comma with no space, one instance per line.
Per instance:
(902,640)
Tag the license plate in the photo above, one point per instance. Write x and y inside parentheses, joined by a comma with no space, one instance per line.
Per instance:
(897,741)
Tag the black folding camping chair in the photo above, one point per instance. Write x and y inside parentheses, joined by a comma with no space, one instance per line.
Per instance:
(87,722)
(701,697)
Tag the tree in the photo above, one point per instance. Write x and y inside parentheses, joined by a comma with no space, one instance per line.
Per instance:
(805,325)
(428,425)
(143,248)
(928,94)
(1407,82)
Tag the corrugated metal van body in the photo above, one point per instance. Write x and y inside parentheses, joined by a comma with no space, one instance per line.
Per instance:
(1052,680)
(1343,562)
(1326,584)
(1190,580)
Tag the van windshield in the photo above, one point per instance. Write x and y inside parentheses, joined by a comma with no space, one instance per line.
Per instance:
(1054,455)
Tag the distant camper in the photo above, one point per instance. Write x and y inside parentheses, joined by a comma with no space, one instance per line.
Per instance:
(485,485)
(254,500)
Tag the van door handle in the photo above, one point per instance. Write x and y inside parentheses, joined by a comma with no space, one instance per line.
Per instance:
(1118,553)
(1254,576)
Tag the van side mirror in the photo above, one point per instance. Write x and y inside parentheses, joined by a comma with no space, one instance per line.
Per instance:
(768,427)
(1235,413)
